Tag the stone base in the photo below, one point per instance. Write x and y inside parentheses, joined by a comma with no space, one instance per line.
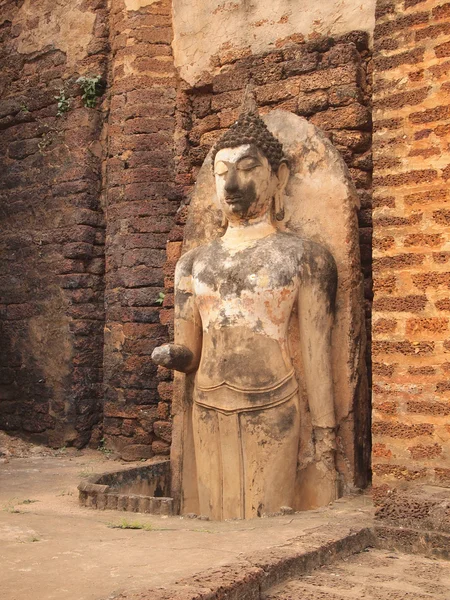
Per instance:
(426,508)
(141,489)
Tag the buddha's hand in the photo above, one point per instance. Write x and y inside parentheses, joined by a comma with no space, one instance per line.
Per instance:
(173,356)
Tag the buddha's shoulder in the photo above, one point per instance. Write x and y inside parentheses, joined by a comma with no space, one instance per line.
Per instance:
(185,262)
(189,258)
(308,252)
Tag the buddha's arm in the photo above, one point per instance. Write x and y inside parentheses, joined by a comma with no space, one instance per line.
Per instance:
(316,313)
(184,354)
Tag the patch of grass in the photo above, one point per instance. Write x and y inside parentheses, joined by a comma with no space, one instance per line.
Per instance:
(86,473)
(203,530)
(126,524)
(103,448)
(10,507)
(33,538)
(28,501)
(65,493)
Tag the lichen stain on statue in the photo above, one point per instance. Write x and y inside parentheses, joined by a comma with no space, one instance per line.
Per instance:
(256,416)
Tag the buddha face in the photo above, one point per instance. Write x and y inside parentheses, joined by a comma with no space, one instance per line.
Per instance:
(245,182)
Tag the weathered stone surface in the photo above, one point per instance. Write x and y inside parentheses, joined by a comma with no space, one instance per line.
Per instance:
(136,452)
(68,28)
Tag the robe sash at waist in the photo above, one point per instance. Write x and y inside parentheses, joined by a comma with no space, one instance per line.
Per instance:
(227,398)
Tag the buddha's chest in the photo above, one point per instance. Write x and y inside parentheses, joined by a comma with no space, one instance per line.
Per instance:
(253,289)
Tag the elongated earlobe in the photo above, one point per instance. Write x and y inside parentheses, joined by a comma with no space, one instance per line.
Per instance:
(283,176)
(279,205)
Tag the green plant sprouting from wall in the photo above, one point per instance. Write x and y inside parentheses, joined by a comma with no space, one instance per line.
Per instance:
(91,88)
(63,102)
(160,299)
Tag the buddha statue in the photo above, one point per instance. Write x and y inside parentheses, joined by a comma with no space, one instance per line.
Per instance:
(234,299)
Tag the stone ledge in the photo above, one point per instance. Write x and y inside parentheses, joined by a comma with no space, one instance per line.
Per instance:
(118,490)
(425,508)
(413,541)
(256,573)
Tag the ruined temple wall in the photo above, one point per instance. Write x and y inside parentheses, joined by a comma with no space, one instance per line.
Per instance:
(328,81)
(207,30)
(129,164)
(411,348)
(141,200)
(52,228)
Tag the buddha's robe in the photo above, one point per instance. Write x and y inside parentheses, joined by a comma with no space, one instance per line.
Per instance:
(246,421)
(245,413)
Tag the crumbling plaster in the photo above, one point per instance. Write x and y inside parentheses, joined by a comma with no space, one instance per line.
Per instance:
(205,29)
(60,24)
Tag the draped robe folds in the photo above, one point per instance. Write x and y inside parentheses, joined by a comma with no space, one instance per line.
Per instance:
(245,416)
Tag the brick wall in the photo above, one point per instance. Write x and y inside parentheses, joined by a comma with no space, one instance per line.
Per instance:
(142,199)
(328,81)
(51,240)
(411,348)
(139,168)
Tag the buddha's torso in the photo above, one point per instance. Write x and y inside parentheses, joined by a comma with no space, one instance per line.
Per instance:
(245,298)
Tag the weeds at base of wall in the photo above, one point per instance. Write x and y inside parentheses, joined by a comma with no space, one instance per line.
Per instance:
(103,449)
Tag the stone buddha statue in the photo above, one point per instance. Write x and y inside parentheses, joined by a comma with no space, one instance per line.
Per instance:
(234,299)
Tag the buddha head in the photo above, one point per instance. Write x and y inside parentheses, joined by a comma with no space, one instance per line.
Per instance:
(250,170)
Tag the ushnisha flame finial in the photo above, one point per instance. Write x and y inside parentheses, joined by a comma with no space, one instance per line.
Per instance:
(251,129)
(248,104)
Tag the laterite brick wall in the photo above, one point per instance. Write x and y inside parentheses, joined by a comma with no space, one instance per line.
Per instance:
(411,347)
(51,222)
(141,200)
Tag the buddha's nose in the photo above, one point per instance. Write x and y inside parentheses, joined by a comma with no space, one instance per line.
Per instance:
(231,182)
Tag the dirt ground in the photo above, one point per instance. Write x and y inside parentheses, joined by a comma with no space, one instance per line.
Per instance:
(372,575)
(51,548)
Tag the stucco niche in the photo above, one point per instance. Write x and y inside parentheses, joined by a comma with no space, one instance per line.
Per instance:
(320,205)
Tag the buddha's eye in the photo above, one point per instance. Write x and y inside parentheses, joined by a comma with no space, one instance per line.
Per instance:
(220,168)
(247,164)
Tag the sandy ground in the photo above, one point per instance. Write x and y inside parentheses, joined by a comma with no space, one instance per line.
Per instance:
(372,575)
(51,548)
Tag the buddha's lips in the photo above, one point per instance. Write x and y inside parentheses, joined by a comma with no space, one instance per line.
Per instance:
(233,199)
